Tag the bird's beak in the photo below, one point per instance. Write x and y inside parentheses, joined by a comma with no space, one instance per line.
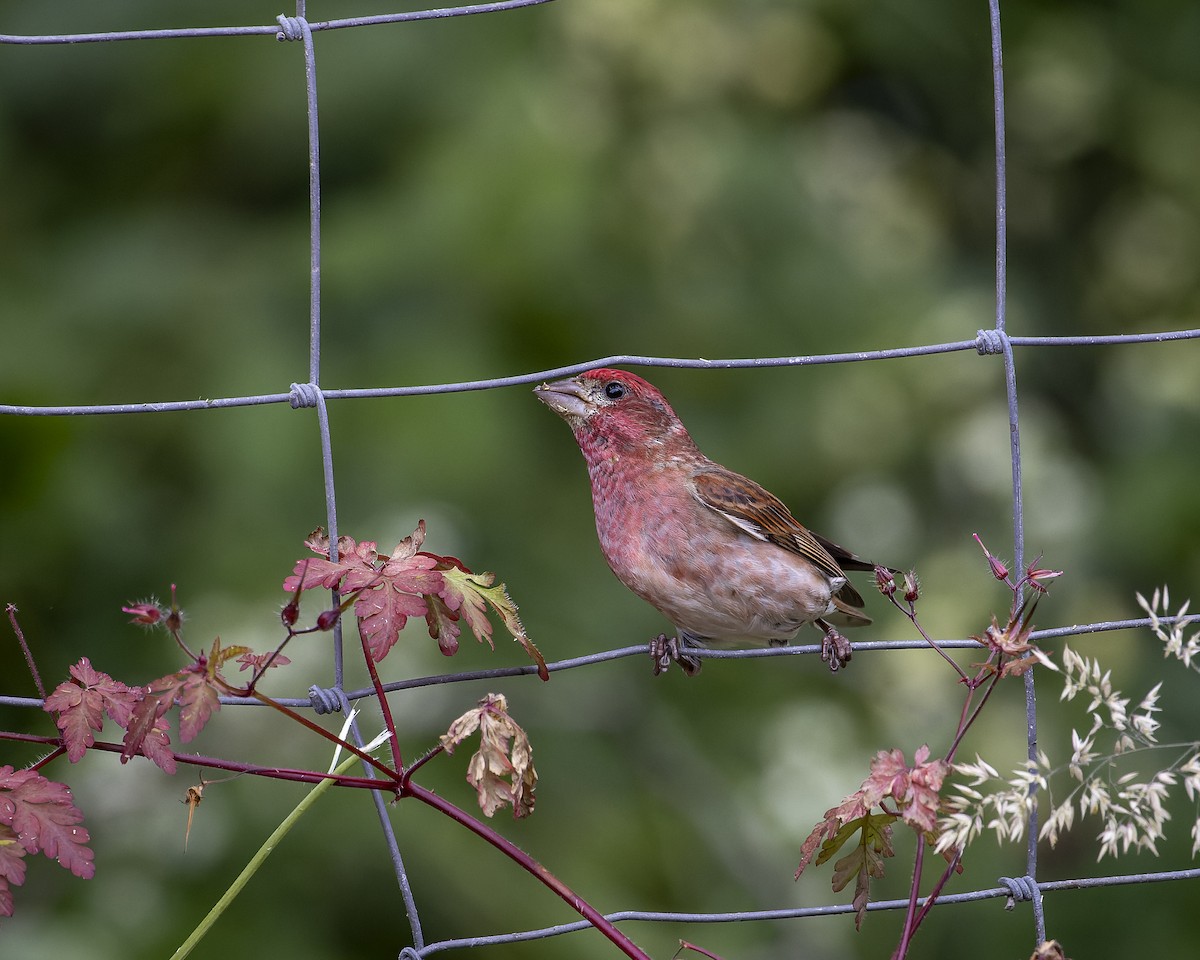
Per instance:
(568,398)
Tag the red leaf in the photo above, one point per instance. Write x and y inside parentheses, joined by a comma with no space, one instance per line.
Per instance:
(12,867)
(82,703)
(156,746)
(147,730)
(353,569)
(382,613)
(442,624)
(41,813)
(469,595)
(197,703)
(255,661)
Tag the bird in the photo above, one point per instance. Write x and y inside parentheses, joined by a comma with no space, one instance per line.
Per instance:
(719,556)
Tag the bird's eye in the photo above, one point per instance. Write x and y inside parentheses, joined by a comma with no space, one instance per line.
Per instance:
(614,390)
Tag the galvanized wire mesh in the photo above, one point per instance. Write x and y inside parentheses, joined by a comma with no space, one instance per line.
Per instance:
(993,341)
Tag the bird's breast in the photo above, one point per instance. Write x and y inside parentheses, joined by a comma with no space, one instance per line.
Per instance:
(703,573)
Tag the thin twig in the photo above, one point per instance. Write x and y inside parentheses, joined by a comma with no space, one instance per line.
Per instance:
(11,609)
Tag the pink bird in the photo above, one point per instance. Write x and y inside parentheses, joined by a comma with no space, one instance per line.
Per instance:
(715,553)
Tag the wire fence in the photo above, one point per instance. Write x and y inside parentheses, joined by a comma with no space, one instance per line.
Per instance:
(994,341)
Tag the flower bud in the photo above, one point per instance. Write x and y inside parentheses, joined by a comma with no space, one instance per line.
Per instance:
(290,613)
(328,618)
(146,613)
(999,570)
(884,581)
(1036,575)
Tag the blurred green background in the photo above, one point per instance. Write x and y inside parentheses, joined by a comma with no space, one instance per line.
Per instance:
(512,192)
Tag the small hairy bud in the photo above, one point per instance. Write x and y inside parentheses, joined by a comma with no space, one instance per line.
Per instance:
(885,581)
(912,587)
(999,570)
(290,613)
(1036,575)
(147,613)
(328,618)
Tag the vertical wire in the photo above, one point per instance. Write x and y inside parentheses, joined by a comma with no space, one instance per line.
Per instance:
(314,197)
(1010,384)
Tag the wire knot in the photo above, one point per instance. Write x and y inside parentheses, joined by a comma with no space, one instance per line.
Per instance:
(304,395)
(290,28)
(990,342)
(328,699)
(409,953)
(1020,889)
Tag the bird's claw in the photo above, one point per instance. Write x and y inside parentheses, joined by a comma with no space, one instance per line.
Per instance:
(835,649)
(664,650)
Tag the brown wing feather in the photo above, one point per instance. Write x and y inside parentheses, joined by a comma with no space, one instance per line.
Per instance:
(847,560)
(748,505)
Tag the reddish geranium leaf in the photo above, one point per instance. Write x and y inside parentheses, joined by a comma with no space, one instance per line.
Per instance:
(382,613)
(156,746)
(387,590)
(353,569)
(318,542)
(12,867)
(80,705)
(442,624)
(147,730)
(44,818)
(256,661)
(197,703)
(469,595)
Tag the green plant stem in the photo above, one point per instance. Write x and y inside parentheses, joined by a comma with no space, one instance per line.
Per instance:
(258,860)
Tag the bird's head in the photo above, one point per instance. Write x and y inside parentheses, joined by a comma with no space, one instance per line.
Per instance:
(606,408)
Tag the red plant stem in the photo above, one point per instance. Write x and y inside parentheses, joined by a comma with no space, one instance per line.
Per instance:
(417,764)
(910,915)
(684,945)
(505,846)
(911,613)
(11,610)
(964,726)
(381,696)
(266,665)
(937,888)
(389,774)
(217,763)
(527,863)
(52,755)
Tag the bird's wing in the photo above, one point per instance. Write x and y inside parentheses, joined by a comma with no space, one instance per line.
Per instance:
(850,561)
(762,515)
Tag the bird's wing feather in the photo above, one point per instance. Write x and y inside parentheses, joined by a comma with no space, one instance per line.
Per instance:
(759,513)
(845,559)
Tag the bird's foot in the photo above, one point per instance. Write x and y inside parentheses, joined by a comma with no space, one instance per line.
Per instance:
(835,649)
(664,650)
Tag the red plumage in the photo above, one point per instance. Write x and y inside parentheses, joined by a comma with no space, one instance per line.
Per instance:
(719,556)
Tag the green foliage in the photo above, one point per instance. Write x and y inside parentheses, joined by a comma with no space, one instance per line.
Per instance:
(504,193)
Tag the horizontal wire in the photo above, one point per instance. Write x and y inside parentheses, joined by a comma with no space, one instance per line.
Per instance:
(183,33)
(641,650)
(800,912)
(693,363)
